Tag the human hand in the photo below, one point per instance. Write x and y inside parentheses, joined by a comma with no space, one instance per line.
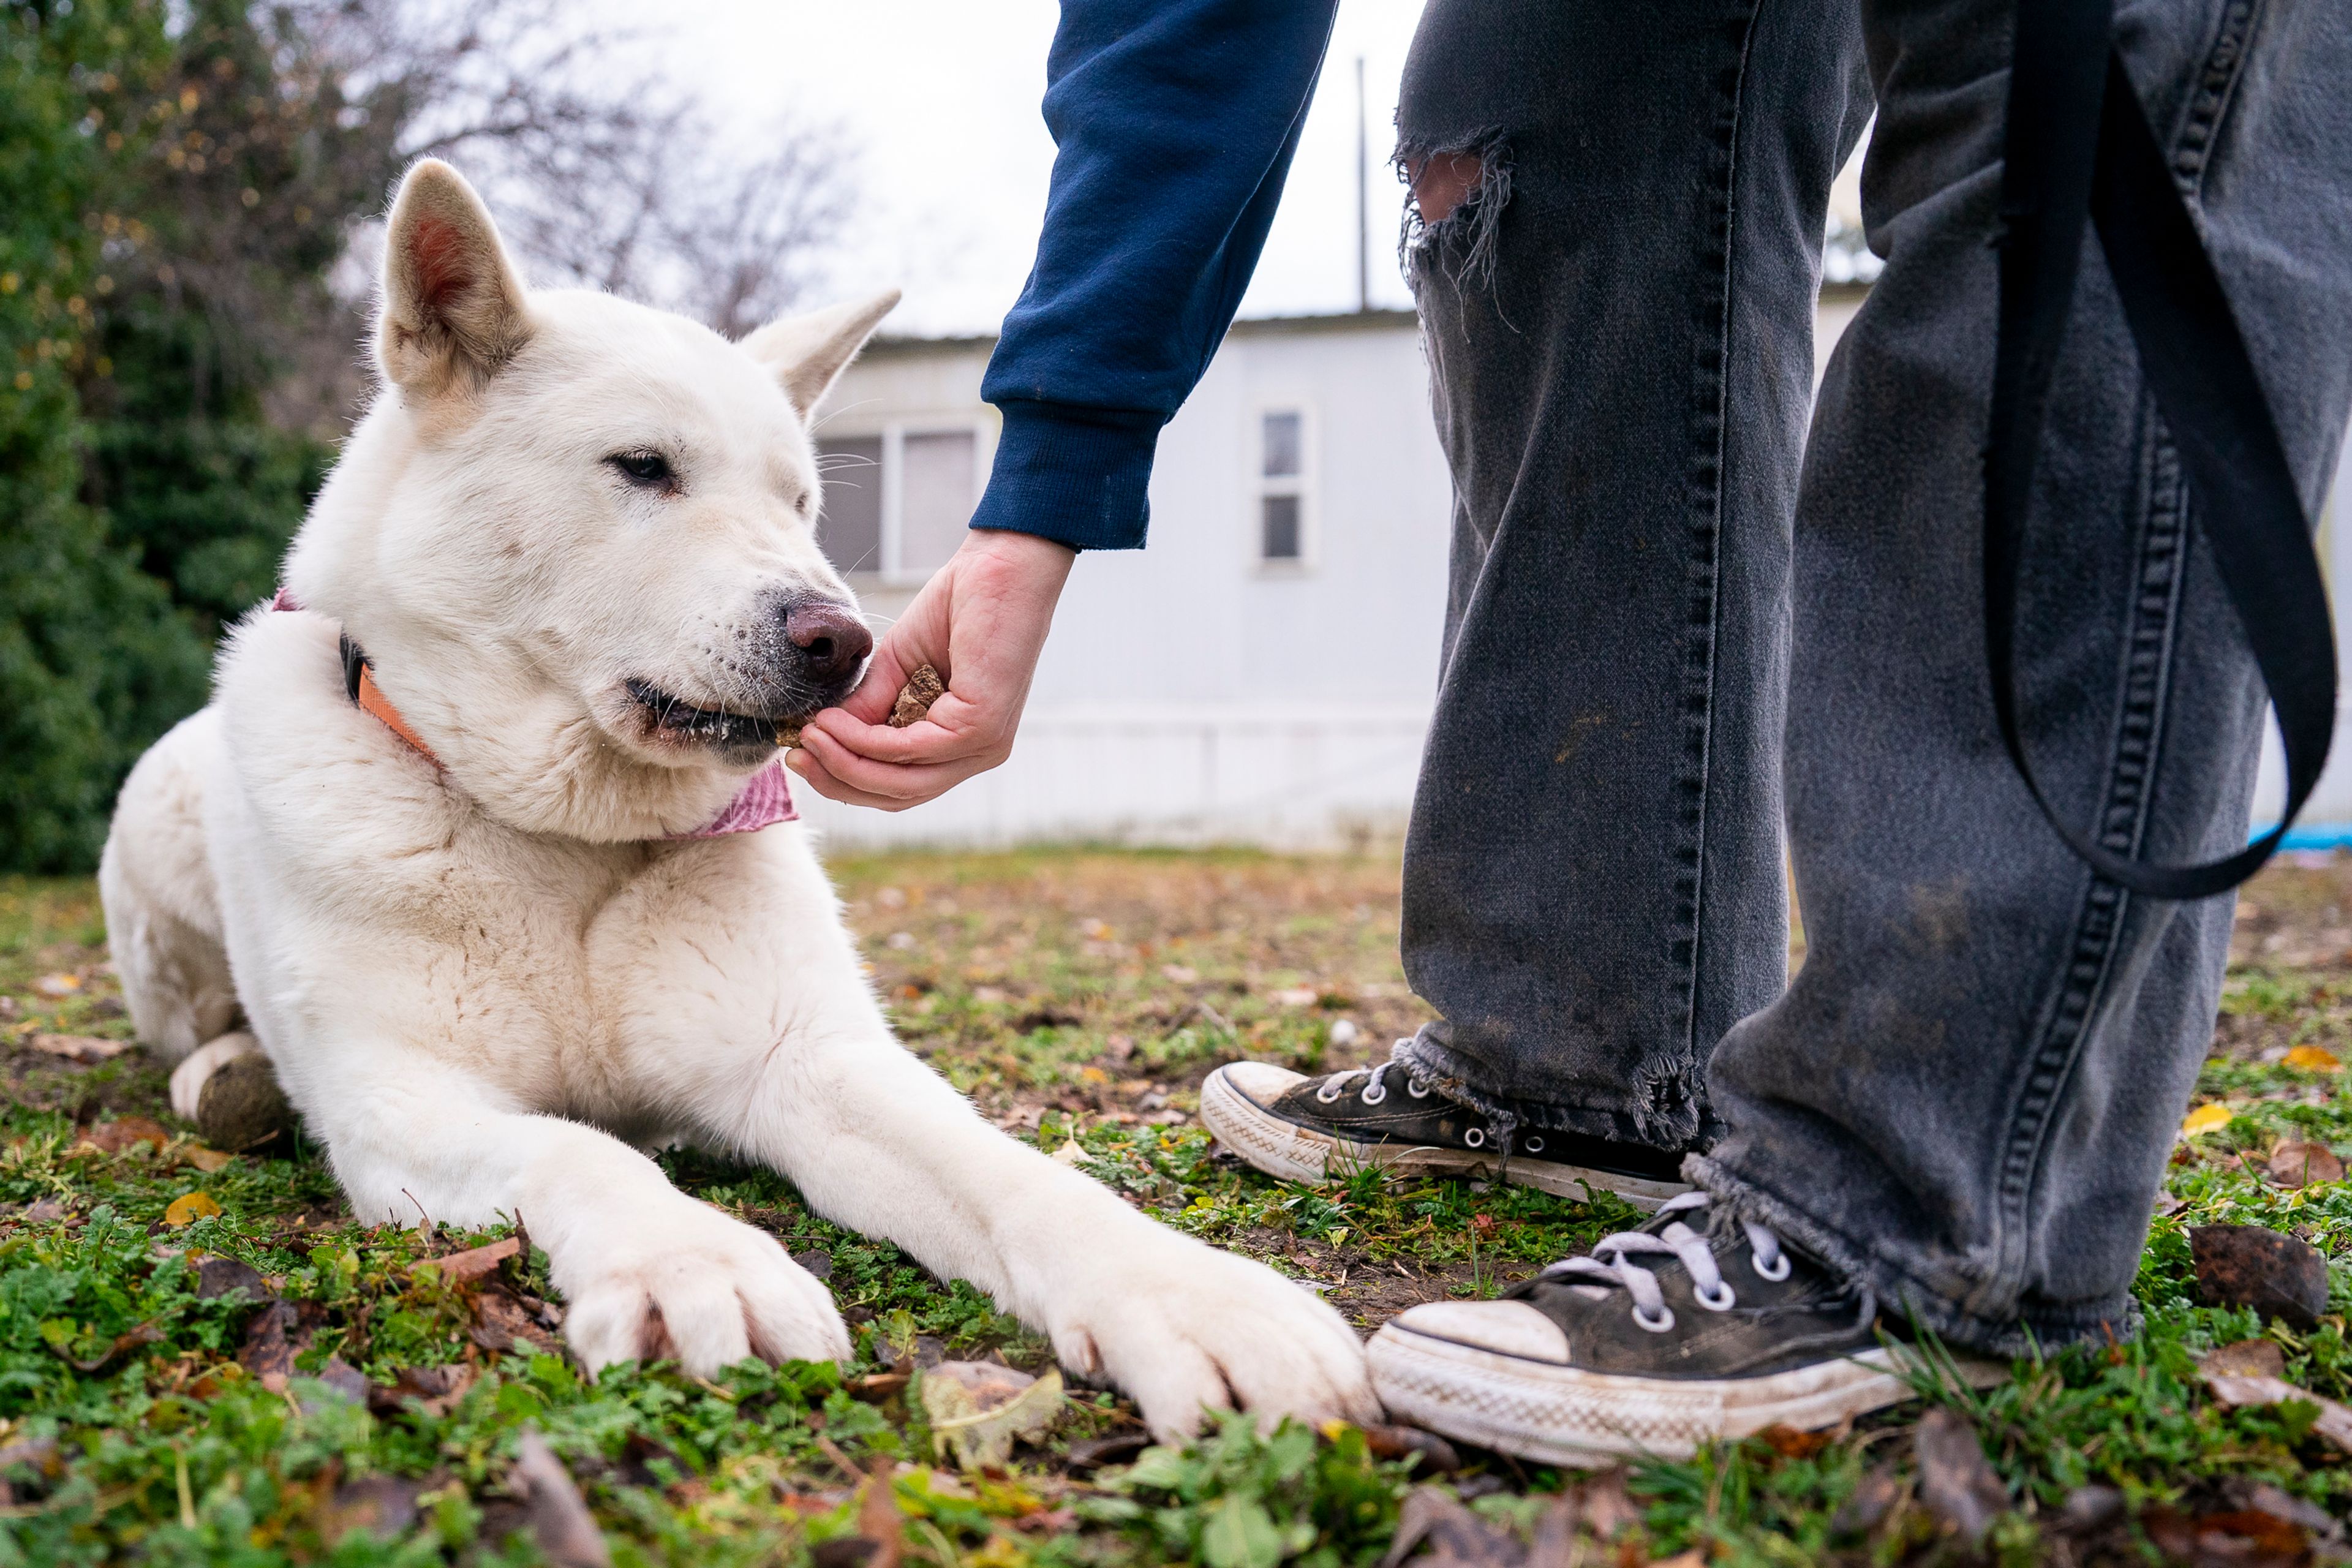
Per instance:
(981,622)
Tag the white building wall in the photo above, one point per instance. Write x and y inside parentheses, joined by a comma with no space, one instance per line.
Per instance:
(1189,694)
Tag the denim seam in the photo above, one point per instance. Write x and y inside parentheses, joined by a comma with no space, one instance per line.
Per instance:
(1683,1077)
(2146,668)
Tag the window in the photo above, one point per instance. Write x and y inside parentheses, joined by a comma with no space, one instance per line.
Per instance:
(1282,486)
(896,505)
(849,530)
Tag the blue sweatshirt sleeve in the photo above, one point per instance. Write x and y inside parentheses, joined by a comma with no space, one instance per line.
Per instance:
(1175,121)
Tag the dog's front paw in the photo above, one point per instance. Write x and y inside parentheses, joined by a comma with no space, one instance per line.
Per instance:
(1180,1326)
(697,1287)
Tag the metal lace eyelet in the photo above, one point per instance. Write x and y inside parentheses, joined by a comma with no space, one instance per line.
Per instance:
(1416,1088)
(1755,1262)
(1722,1301)
(1329,1094)
(1535,1143)
(1476,1138)
(1657,1325)
(1375,1092)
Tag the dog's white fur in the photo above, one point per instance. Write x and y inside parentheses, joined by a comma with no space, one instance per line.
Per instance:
(483,985)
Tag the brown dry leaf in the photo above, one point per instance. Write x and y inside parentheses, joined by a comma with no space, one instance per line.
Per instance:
(1691,1559)
(218,1277)
(385,1505)
(502,1321)
(1791,1443)
(559,1521)
(465,1267)
(1456,1537)
(114,1137)
(83,1049)
(2301,1165)
(878,1519)
(915,699)
(436,1388)
(2246,1358)
(1957,1482)
(277,1334)
(1436,1455)
(2246,1538)
(1871,1500)
(2334,1422)
(2277,1274)
(203,1158)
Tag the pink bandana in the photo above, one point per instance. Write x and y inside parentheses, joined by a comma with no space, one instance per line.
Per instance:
(765,800)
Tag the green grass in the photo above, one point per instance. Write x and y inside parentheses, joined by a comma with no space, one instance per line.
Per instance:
(1077,996)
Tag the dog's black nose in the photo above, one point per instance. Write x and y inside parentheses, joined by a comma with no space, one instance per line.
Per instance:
(832,641)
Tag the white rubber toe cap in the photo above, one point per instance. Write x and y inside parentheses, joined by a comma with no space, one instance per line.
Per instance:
(1511,1329)
(1260,1083)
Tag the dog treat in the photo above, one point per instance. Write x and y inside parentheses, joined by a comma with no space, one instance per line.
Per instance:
(915,699)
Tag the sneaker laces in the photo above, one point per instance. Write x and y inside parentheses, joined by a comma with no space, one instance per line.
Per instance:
(1376,1088)
(1613,1260)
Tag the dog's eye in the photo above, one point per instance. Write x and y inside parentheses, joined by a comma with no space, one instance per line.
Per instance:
(644,468)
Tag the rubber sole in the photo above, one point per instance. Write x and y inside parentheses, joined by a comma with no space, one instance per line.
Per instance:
(1297,1153)
(1561,1414)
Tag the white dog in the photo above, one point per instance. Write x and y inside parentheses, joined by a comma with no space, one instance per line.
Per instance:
(457,835)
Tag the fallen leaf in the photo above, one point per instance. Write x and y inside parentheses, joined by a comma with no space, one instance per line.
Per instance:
(55,986)
(435,1388)
(190,1207)
(1871,1500)
(502,1321)
(2334,1422)
(2314,1058)
(977,1409)
(385,1505)
(1069,1154)
(878,1519)
(2205,1118)
(1436,1455)
(465,1267)
(1694,1558)
(218,1277)
(43,1211)
(876,1387)
(1791,1443)
(1456,1537)
(2303,1163)
(83,1049)
(1293,996)
(559,1521)
(2090,1508)
(1097,1452)
(275,1335)
(114,1137)
(2252,1265)
(203,1158)
(1957,1482)
(2246,1538)
(2246,1358)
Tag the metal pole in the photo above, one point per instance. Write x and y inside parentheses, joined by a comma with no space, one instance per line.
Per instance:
(1363,198)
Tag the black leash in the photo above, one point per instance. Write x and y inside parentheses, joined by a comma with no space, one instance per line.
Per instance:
(2079,148)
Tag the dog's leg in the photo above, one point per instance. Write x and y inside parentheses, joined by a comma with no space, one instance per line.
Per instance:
(189,1077)
(162,907)
(877,1140)
(645,1271)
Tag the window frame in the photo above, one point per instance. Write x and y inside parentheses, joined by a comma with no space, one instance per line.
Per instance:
(890,572)
(1301,484)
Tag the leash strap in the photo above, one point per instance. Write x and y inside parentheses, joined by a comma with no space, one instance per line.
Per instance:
(2080,150)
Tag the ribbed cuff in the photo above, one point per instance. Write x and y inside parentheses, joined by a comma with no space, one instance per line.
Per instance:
(1078,476)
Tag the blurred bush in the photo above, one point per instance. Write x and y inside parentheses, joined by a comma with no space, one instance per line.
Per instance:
(190,191)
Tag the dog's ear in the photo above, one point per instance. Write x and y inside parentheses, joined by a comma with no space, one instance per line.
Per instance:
(453,309)
(806,352)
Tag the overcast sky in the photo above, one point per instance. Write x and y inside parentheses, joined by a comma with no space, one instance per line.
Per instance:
(942,95)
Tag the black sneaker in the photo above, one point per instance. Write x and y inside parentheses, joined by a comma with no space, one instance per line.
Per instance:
(1660,1341)
(1309,1129)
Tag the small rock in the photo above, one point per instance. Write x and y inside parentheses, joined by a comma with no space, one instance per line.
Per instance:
(1345,1033)
(1872,1498)
(218,1277)
(819,1263)
(2252,1265)
(1152,1103)
(2087,1509)
(242,1107)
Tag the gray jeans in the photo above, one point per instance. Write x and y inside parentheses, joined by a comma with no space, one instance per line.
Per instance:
(1676,623)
